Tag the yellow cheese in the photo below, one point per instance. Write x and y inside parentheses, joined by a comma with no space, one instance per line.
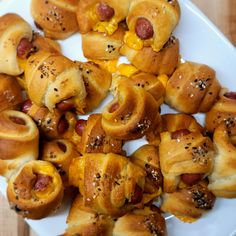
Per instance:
(126,70)
(109,65)
(133,41)
(163,79)
(22,63)
(106,27)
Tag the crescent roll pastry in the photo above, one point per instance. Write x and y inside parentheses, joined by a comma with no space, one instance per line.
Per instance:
(102,16)
(186,156)
(36,190)
(15,43)
(56,18)
(150,61)
(60,153)
(151,23)
(18,141)
(10,93)
(147,157)
(192,88)
(97,82)
(110,183)
(95,140)
(189,204)
(223,110)
(85,222)
(223,177)
(131,114)
(97,46)
(141,222)
(53,80)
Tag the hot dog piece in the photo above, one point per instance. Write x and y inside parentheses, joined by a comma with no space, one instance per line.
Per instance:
(26,106)
(63,125)
(143,28)
(17,120)
(79,126)
(65,105)
(114,107)
(42,182)
(191,179)
(24,47)
(105,12)
(137,196)
(179,133)
(231,95)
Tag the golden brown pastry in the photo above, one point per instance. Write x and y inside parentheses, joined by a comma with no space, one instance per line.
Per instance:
(132,112)
(36,190)
(85,222)
(60,153)
(15,43)
(97,82)
(55,81)
(189,204)
(102,16)
(18,141)
(223,110)
(150,61)
(110,183)
(97,46)
(192,88)
(186,156)
(10,93)
(223,177)
(95,140)
(147,157)
(56,18)
(53,124)
(151,23)
(141,222)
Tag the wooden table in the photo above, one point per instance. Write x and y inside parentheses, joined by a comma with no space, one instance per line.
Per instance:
(222,13)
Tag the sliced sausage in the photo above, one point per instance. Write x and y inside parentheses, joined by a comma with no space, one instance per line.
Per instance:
(62,126)
(179,133)
(80,126)
(26,106)
(231,95)
(65,105)
(191,179)
(17,120)
(42,182)
(114,107)
(24,47)
(105,12)
(143,28)
(137,196)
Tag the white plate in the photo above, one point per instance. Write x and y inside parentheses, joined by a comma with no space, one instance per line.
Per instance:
(200,41)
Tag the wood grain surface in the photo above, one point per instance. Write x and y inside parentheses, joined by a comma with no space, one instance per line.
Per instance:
(222,13)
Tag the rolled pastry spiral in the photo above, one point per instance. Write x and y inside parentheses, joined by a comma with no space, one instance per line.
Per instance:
(52,78)
(14,30)
(95,140)
(36,190)
(19,139)
(186,156)
(10,93)
(151,23)
(224,110)
(84,221)
(222,180)
(192,88)
(131,113)
(60,153)
(189,204)
(110,183)
(147,60)
(56,18)
(102,16)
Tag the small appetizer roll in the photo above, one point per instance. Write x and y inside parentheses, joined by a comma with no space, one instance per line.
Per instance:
(102,16)
(132,112)
(147,60)
(185,156)
(97,46)
(19,139)
(51,124)
(223,110)
(85,222)
(36,190)
(151,23)
(223,177)
(60,153)
(141,222)
(94,139)
(147,157)
(15,43)
(189,204)
(53,80)
(97,82)
(10,93)
(57,19)
(110,183)
(192,88)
